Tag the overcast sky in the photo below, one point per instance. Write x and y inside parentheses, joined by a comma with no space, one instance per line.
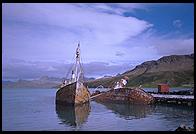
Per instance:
(40,39)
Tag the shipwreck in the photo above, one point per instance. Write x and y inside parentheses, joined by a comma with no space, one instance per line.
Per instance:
(73,91)
(121,94)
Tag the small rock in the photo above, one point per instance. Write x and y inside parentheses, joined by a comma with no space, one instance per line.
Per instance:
(182,127)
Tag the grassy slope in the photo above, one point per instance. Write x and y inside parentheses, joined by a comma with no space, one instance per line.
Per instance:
(176,70)
(175,79)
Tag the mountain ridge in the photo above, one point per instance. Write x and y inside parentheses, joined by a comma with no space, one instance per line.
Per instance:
(177,70)
(42,82)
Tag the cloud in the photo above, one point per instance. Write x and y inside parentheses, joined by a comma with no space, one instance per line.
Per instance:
(174,46)
(167,45)
(101,68)
(43,37)
(177,23)
(151,46)
(50,29)
(119,53)
(113,8)
(17,68)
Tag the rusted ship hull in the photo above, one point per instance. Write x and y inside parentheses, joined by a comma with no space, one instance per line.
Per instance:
(72,94)
(126,95)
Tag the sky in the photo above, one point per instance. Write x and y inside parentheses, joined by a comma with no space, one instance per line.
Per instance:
(40,39)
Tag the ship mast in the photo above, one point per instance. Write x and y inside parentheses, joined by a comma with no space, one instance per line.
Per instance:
(77,69)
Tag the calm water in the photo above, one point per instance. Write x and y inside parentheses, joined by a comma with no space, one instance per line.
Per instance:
(35,109)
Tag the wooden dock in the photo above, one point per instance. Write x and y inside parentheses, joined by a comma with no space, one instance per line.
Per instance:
(174,99)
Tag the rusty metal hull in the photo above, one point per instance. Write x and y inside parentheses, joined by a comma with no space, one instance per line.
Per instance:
(126,95)
(72,94)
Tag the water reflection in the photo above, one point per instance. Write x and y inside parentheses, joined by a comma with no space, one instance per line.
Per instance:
(130,111)
(173,112)
(73,115)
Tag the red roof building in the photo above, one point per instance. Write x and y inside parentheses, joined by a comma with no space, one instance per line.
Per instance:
(163,88)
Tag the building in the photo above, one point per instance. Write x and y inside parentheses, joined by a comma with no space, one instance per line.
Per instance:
(163,88)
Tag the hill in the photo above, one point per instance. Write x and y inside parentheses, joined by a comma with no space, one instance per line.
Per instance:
(177,70)
(43,82)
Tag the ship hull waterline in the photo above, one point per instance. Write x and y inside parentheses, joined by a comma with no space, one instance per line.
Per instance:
(73,94)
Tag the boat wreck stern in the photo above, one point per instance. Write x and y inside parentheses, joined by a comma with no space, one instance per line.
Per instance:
(126,95)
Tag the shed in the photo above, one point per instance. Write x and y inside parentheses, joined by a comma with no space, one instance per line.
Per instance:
(163,88)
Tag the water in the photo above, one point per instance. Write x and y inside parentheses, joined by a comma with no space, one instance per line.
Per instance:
(35,109)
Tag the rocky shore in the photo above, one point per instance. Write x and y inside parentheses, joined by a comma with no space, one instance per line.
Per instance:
(183,127)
